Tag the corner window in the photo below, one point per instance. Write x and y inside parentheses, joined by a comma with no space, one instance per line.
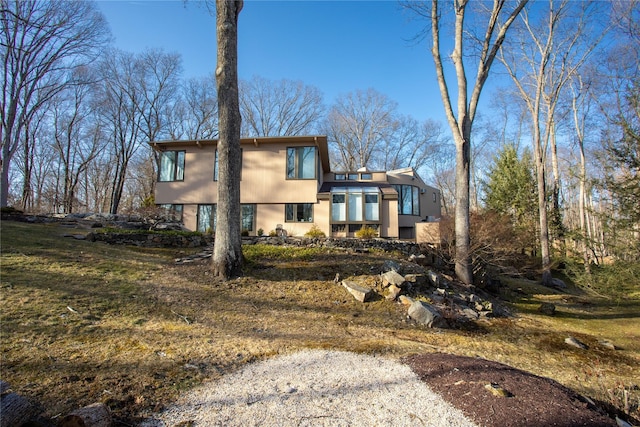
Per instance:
(298,212)
(171,166)
(301,163)
(206,218)
(366,176)
(172,212)
(408,199)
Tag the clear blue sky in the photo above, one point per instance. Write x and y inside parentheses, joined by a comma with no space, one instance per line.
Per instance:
(337,46)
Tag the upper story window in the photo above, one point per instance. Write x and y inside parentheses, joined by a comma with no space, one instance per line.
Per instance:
(171,166)
(340,176)
(352,177)
(366,176)
(301,163)
(408,199)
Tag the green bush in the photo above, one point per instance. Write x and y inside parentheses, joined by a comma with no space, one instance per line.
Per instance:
(367,232)
(315,232)
(260,232)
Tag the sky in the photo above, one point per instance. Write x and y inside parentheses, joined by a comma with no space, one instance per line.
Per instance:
(337,46)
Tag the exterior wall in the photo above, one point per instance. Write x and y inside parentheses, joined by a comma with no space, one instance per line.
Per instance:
(389,217)
(264,184)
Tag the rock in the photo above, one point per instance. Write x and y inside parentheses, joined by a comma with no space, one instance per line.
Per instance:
(575,343)
(474,298)
(405,300)
(394,291)
(434,278)
(360,293)
(390,265)
(557,283)
(392,278)
(470,314)
(607,344)
(498,391)
(425,314)
(547,308)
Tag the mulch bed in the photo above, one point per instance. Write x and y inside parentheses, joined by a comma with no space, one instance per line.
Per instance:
(532,400)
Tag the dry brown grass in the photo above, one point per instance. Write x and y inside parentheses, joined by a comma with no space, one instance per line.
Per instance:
(85,322)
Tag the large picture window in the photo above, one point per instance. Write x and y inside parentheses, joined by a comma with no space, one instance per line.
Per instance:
(355,204)
(301,163)
(206,218)
(298,212)
(171,166)
(408,199)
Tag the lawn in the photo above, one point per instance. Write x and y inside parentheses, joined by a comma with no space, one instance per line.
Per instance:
(85,322)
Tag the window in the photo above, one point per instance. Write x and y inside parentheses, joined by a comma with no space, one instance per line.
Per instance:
(366,176)
(206,218)
(298,212)
(408,199)
(172,212)
(171,166)
(340,177)
(435,197)
(248,217)
(301,163)
(215,166)
(352,177)
(338,207)
(355,204)
(371,207)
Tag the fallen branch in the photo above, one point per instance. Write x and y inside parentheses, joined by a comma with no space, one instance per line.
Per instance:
(185,318)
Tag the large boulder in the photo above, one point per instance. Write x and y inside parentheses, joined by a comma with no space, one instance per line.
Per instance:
(425,314)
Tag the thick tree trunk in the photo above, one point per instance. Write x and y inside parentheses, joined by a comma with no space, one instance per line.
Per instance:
(464,267)
(227,253)
(96,415)
(15,410)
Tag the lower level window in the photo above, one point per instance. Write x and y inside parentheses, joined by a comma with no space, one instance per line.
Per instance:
(206,218)
(172,212)
(248,217)
(298,212)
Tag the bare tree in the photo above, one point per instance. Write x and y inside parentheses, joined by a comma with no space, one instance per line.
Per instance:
(282,108)
(498,22)
(541,61)
(76,136)
(358,126)
(41,41)
(201,101)
(227,251)
(136,92)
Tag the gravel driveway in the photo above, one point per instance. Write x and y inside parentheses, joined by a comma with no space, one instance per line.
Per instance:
(314,388)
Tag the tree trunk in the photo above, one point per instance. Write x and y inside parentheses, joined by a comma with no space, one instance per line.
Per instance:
(95,415)
(15,410)
(227,252)
(464,267)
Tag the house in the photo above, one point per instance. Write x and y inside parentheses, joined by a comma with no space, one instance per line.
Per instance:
(288,185)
